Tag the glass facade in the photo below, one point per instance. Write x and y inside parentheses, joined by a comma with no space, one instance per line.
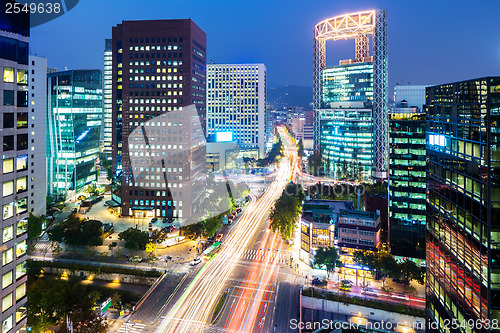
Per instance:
(407,187)
(346,137)
(73,125)
(107,79)
(348,83)
(463,202)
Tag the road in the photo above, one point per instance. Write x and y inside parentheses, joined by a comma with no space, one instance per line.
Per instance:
(193,311)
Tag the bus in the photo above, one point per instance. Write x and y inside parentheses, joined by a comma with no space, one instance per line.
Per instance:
(212,250)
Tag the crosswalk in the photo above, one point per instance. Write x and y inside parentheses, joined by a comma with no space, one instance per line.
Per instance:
(265,255)
(131,328)
(42,246)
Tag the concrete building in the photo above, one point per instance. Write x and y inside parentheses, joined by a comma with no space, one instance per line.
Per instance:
(359,230)
(15,176)
(318,225)
(236,104)
(37,123)
(74,119)
(159,155)
(463,203)
(107,102)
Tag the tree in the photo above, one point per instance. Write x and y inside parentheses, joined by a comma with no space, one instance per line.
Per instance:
(388,266)
(75,232)
(410,271)
(111,246)
(327,257)
(315,163)
(211,225)
(91,189)
(286,210)
(134,238)
(34,226)
(193,231)
(300,149)
(106,164)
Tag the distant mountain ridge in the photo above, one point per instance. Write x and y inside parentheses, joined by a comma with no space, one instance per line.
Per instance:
(289,96)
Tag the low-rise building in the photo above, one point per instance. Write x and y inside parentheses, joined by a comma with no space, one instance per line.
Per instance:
(318,224)
(358,230)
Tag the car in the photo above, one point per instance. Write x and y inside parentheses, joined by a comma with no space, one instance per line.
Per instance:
(195,261)
(319,282)
(400,296)
(135,259)
(74,210)
(369,291)
(219,237)
(164,220)
(154,219)
(238,210)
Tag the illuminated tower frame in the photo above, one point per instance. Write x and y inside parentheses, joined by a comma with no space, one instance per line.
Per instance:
(358,26)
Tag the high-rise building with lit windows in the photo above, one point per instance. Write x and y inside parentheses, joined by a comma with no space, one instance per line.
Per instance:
(236,102)
(74,116)
(15,175)
(107,107)
(158,118)
(351,82)
(407,185)
(347,140)
(463,205)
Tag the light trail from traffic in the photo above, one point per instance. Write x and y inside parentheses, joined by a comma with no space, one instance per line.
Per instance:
(194,309)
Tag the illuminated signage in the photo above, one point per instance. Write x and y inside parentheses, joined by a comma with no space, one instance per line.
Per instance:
(224,136)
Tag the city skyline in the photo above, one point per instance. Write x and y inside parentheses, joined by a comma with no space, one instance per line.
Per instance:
(434,59)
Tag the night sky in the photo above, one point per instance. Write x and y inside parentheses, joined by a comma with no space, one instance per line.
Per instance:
(430,42)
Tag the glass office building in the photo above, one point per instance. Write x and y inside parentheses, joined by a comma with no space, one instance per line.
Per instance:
(347,141)
(351,82)
(74,119)
(407,187)
(463,203)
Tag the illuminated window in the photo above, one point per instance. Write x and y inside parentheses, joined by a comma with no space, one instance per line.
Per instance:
(6,302)
(8,210)
(7,279)
(22,226)
(20,270)
(8,165)
(7,324)
(22,162)
(8,74)
(21,184)
(21,205)
(8,188)
(20,249)
(7,256)
(8,234)
(20,291)
(22,76)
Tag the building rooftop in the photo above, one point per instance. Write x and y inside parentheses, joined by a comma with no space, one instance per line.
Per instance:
(358,214)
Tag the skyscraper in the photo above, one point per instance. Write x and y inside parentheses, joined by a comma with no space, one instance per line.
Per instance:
(37,123)
(15,175)
(359,26)
(463,204)
(107,105)
(407,186)
(236,102)
(74,118)
(159,69)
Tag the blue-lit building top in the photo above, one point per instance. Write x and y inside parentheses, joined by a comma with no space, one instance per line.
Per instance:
(74,119)
(348,82)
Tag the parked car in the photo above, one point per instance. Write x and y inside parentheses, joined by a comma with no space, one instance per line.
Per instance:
(195,261)
(219,237)
(319,282)
(164,220)
(74,210)
(154,219)
(135,259)
(238,210)
(345,285)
